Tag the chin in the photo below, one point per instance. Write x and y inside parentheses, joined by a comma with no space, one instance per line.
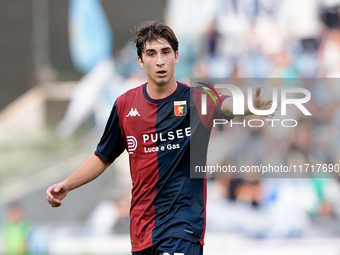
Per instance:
(161,81)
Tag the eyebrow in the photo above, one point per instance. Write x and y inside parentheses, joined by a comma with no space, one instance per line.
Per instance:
(165,48)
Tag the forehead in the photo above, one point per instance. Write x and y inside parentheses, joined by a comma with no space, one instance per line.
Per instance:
(157,44)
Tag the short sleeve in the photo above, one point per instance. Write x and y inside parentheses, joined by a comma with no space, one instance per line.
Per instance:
(213,107)
(111,144)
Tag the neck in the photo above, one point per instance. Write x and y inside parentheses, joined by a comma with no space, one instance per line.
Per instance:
(160,91)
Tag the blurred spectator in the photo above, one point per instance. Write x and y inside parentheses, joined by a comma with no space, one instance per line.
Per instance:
(330,10)
(15,232)
(329,54)
(213,37)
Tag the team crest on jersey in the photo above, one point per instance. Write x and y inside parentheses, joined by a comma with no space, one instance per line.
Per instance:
(180,108)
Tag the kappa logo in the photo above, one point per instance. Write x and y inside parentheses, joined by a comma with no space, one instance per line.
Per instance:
(131,144)
(133,113)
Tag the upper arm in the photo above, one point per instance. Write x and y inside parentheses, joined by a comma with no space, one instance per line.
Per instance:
(227,106)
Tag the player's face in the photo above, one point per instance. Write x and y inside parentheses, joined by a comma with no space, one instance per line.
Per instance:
(159,61)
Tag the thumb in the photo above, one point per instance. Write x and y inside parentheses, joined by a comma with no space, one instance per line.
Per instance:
(258,91)
(58,187)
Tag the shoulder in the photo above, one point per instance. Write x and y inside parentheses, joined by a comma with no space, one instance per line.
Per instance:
(182,87)
(130,94)
(184,84)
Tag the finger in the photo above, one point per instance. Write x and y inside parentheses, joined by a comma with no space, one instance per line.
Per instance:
(258,91)
(60,186)
(51,199)
(49,194)
(57,189)
(269,101)
(55,204)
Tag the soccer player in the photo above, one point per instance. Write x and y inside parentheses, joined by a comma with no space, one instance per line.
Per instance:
(153,123)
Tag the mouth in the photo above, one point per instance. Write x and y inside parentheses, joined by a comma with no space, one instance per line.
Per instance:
(161,72)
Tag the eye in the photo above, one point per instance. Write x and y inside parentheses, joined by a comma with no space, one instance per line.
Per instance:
(151,54)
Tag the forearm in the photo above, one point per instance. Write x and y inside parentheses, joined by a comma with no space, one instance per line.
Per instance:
(89,170)
(228,107)
(247,112)
(257,103)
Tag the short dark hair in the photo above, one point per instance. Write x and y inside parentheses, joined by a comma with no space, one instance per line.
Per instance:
(154,30)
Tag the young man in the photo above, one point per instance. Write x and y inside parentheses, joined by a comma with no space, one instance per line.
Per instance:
(152,122)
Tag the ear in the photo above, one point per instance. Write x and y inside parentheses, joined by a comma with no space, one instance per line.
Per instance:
(140,61)
(176,57)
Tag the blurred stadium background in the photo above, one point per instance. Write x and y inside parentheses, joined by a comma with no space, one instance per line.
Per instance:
(63,63)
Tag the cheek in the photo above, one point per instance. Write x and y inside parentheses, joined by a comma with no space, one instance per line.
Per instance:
(148,69)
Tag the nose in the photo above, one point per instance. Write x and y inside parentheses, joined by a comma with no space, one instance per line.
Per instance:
(160,61)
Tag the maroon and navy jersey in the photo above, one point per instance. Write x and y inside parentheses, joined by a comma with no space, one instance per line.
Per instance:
(165,201)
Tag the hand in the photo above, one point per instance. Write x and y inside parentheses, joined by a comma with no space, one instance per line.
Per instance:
(261,103)
(56,193)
